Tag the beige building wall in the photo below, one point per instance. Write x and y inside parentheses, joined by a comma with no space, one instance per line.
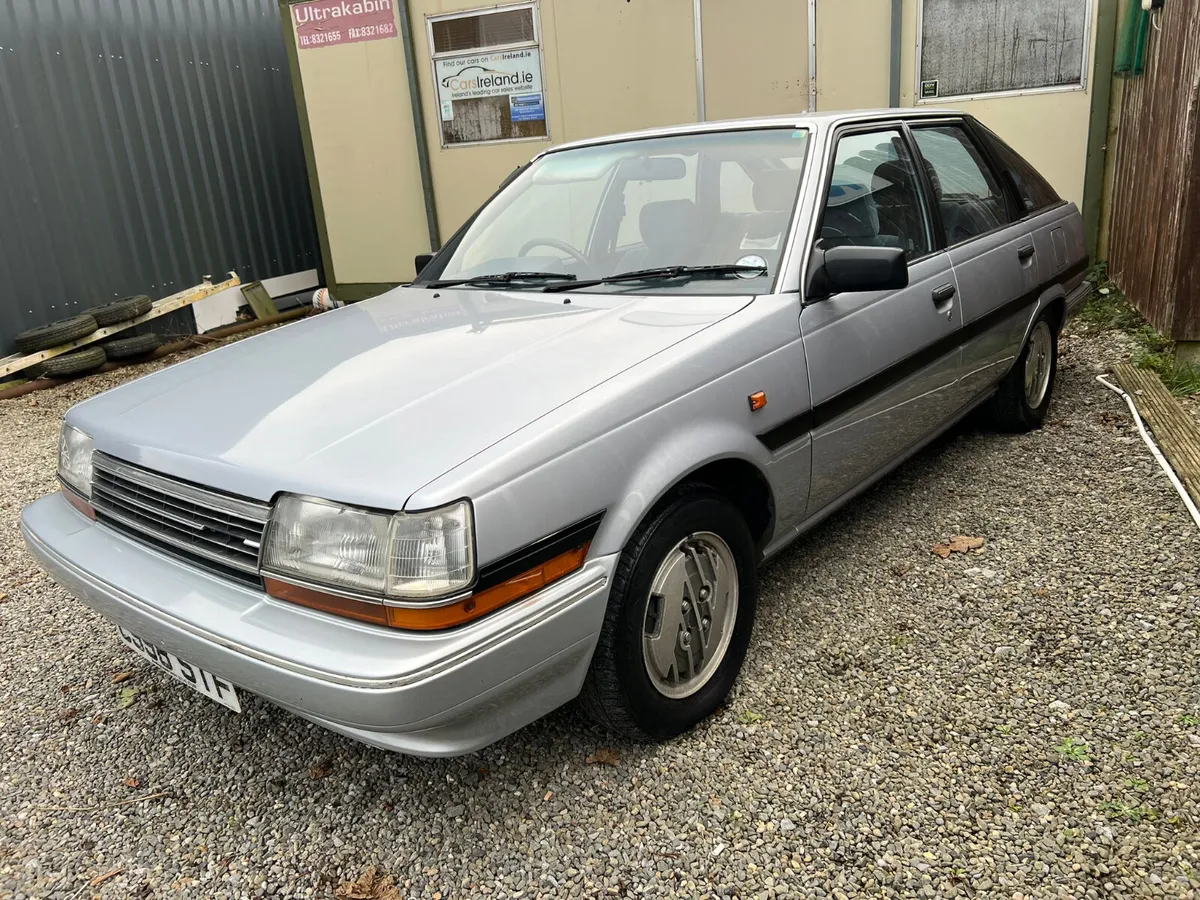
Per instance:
(366,157)
(608,66)
(755,58)
(612,66)
(854,51)
(1049,129)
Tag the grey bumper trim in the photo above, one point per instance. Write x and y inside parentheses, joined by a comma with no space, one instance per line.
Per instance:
(492,631)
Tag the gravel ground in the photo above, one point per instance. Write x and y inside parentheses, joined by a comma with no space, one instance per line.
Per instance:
(1020,721)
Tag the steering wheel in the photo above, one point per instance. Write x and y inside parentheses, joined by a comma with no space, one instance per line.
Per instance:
(557,245)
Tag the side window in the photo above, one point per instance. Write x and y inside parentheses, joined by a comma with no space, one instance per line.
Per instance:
(1033,191)
(967,193)
(874,199)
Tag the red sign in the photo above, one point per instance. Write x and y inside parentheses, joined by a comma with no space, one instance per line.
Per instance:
(323,23)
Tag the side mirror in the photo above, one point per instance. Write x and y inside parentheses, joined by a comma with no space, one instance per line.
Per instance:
(422,260)
(852,269)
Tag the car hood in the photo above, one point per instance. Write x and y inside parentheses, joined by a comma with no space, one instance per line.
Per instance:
(368,403)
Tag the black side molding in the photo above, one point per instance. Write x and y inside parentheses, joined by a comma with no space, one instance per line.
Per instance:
(839,404)
(540,551)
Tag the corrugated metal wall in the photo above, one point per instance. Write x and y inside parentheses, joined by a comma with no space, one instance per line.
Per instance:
(143,145)
(1154,250)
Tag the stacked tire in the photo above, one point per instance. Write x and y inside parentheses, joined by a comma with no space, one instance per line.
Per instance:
(56,334)
(88,359)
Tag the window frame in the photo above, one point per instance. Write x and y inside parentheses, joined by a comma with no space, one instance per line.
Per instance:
(535,44)
(1011,202)
(935,235)
(1082,84)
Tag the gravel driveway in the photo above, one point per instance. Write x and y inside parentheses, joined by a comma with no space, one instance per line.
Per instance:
(1019,721)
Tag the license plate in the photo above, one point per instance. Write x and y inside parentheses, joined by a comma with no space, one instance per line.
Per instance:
(212,686)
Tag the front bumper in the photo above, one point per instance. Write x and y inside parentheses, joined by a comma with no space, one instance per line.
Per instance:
(427,694)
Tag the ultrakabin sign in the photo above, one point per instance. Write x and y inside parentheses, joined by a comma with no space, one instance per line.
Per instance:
(324,23)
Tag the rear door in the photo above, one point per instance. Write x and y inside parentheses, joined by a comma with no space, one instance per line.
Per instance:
(882,365)
(1061,253)
(994,259)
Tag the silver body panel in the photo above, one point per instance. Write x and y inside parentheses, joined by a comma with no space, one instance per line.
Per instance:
(541,413)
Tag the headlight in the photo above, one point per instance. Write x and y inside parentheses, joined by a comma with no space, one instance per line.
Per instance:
(413,556)
(75,460)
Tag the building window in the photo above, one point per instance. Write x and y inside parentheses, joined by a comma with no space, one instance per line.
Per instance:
(972,47)
(487,67)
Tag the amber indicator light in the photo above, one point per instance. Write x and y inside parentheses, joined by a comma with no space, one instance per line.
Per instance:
(758,400)
(437,617)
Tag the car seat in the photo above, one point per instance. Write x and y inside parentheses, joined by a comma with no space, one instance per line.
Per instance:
(672,235)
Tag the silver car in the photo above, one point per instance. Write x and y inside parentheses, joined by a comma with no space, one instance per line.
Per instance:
(551,467)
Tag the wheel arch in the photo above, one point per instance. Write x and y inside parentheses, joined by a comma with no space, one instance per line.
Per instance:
(724,459)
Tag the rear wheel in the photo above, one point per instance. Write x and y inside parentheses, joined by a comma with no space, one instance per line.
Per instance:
(679,619)
(1023,397)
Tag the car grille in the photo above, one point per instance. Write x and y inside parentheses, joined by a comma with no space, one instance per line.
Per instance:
(215,531)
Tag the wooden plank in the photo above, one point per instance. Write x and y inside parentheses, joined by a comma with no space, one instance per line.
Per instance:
(1176,432)
(260,301)
(17,362)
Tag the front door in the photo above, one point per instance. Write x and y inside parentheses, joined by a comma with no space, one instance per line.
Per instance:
(882,365)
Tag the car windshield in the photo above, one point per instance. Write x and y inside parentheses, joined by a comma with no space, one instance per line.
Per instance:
(591,213)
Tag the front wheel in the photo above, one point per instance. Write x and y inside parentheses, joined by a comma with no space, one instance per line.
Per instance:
(1023,397)
(678,622)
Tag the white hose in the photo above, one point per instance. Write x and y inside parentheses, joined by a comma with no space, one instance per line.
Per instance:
(1166,466)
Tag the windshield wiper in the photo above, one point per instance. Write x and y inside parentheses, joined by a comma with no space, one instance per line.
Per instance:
(664,273)
(504,278)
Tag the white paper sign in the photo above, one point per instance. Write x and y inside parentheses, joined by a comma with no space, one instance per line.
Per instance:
(501,73)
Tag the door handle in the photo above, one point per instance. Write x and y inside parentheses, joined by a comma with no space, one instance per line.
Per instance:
(943,294)
(1026,252)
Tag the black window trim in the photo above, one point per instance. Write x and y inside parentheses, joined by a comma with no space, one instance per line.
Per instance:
(982,140)
(934,236)
(988,161)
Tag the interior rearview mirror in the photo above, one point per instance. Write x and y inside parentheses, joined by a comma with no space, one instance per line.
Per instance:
(851,269)
(653,168)
(422,260)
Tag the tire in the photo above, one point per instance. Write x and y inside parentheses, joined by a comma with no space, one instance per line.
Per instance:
(132,347)
(619,691)
(121,310)
(76,363)
(46,337)
(1012,408)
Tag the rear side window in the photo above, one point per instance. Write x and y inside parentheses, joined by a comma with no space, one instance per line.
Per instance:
(965,188)
(1033,192)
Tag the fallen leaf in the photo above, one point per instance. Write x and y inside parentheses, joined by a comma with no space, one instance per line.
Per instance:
(100,879)
(957,544)
(604,757)
(3,596)
(126,696)
(121,676)
(96,720)
(370,885)
(65,689)
(68,714)
(322,768)
(133,783)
